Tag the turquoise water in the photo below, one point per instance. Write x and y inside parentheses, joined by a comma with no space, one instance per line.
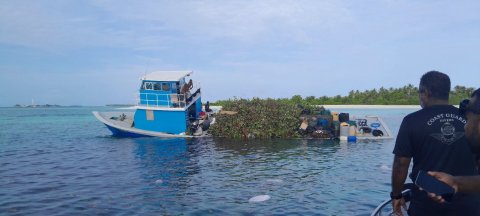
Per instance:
(61,161)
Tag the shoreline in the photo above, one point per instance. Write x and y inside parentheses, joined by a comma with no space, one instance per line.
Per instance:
(357,107)
(371,106)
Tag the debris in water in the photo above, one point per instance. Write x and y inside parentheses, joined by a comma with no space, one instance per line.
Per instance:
(259,198)
(385,168)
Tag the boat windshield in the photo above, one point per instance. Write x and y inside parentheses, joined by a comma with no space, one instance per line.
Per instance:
(156,86)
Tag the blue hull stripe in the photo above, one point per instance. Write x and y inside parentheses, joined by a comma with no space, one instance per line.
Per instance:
(121,133)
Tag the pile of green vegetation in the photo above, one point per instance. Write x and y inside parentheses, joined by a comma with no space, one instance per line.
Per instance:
(257,118)
(280,118)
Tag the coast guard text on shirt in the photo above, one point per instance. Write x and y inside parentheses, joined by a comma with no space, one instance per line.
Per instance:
(447,134)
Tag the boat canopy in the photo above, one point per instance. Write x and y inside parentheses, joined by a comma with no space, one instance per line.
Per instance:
(166,75)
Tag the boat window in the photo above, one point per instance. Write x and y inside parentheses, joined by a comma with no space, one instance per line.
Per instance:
(156,86)
(176,88)
(148,86)
(165,86)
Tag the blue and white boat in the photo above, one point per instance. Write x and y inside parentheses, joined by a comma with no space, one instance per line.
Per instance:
(168,105)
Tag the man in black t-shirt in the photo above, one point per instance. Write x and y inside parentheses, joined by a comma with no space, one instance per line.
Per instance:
(435,138)
(466,184)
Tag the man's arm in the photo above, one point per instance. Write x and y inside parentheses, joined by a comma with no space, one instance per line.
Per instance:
(399,175)
(464,184)
(468,184)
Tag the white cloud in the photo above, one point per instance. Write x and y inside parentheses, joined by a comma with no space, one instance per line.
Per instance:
(155,24)
(236,20)
(160,25)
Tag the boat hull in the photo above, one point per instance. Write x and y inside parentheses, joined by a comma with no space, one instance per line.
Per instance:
(124,127)
(122,133)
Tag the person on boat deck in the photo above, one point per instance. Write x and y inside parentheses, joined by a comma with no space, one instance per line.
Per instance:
(465,184)
(186,89)
(434,138)
(207,107)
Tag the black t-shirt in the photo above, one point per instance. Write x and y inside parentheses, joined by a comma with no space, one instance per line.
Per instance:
(435,138)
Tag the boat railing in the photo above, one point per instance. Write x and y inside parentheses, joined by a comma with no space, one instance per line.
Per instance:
(385,208)
(166,100)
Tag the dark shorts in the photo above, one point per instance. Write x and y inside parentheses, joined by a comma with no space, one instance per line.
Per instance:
(461,204)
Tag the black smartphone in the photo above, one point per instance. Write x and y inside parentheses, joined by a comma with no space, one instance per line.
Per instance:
(433,185)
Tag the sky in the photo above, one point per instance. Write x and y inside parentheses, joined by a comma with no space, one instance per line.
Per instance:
(93,52)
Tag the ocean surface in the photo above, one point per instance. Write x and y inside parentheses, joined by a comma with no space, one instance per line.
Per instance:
(62,161)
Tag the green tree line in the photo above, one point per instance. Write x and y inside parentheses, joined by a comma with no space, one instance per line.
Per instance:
(406,95)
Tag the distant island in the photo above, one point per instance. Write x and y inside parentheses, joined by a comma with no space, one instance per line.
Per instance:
(36,105)
(407,95)
(120,105)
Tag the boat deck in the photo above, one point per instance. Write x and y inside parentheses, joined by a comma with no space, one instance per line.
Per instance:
(387,134)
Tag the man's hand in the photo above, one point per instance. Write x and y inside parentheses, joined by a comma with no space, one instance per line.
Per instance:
(397,205)
(446,178)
